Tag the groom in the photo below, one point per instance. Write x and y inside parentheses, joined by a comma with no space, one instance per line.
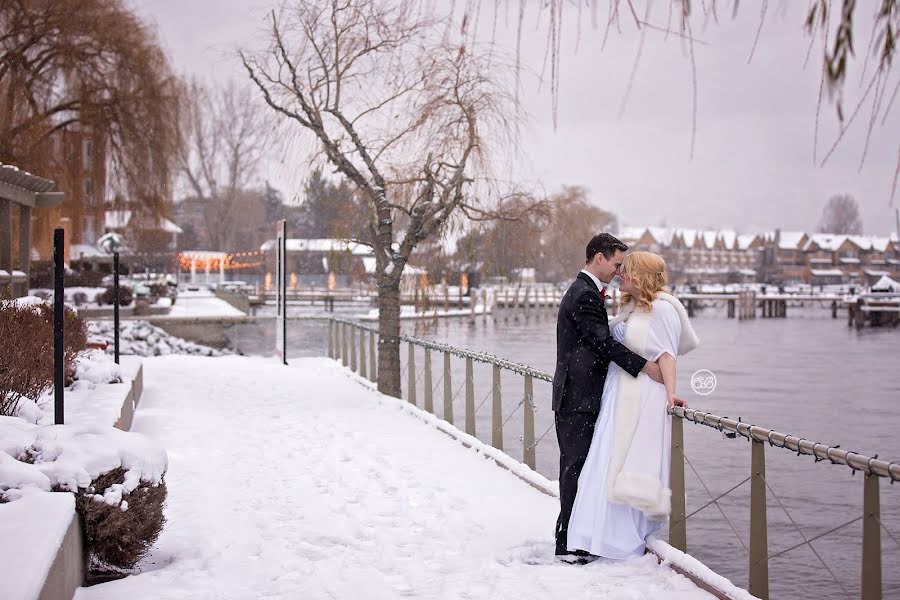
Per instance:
(584,349)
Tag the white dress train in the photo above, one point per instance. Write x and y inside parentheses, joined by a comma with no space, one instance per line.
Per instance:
(598,525)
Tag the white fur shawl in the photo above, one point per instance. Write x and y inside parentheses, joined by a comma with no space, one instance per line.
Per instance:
(635,463)
(688,340)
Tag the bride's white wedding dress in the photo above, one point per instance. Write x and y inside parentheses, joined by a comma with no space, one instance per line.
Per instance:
(623,490)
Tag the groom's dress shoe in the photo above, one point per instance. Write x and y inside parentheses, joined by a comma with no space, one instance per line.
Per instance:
(577,557)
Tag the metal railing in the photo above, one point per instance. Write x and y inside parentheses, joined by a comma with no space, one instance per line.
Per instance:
(347,343)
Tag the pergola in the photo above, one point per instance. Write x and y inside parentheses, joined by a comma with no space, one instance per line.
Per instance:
(27,191)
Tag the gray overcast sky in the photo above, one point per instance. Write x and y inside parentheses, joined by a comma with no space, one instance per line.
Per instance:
(752,168)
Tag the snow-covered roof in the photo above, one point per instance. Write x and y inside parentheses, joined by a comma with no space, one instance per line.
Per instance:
(827,272)
(744,240)
(120,219)
(169,227)
(117,219)
(321,245)
(886,283)
(630,233)
(826,241)
(790,240)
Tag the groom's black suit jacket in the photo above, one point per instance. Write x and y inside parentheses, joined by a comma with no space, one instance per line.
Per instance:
(584,349)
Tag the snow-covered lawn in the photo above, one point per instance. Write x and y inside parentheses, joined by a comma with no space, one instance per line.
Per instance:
(297,482)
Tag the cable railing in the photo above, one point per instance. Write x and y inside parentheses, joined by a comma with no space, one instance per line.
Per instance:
(354,344)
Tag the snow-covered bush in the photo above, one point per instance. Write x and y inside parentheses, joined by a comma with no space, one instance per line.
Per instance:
(118,479)
(119,528)
(143,339)
(26,350)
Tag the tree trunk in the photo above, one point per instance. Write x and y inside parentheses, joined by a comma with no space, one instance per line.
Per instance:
(389,338)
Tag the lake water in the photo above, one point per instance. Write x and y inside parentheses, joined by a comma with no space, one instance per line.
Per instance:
(807,375)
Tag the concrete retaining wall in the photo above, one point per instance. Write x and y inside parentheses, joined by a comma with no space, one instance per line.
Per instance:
(67,572)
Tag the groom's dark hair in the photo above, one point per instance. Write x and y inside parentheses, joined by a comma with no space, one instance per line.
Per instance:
(604,243)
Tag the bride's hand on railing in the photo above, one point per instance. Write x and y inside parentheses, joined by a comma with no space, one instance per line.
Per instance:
(674,401)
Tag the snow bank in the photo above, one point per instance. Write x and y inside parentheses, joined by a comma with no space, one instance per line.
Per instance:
(143,339)
(38,524)
(70,457)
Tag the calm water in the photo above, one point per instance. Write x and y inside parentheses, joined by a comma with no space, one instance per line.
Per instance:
(807,375)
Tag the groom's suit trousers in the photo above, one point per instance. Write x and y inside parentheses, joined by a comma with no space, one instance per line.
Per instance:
(574,430)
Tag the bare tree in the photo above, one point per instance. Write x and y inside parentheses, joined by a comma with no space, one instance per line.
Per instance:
(402,115)
(841,215)
(574,220)
(225,138)
(89,63)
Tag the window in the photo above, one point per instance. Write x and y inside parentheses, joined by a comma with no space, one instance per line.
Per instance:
(88,232)
(89,191)
(87,155)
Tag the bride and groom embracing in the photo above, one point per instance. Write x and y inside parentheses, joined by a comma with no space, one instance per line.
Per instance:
(613,383)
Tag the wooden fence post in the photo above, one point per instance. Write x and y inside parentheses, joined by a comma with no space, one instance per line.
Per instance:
(871,554)
(759,544)
(330,338)
(344,357)
(470,398)
(677,520)
(353,348)
(429,399)
(448,390)
(528,449)
(373,358)
(497,412)
(362,353)
(411,374)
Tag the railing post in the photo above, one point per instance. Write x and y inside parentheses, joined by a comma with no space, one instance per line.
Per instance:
(871,551)
(373,358)
(330,338)
(344,357)
(353,348)
(528,449)
(429,398)
(759,544)
(470,398)
(677,520)
(448,390)
(411,374)
(497,412)
(362,352)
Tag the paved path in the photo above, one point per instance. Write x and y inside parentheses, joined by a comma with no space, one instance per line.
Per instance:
(297,482)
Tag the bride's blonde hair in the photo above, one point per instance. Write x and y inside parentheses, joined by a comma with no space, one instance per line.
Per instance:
(648,276)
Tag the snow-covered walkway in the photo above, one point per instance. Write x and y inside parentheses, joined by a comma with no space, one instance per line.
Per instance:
(297,482)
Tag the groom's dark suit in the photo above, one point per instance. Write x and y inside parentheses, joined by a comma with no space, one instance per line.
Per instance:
(584,349)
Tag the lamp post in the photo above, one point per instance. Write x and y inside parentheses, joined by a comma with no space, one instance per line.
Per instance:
(111,242)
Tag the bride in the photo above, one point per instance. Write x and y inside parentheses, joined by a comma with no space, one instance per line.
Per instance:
(623,491)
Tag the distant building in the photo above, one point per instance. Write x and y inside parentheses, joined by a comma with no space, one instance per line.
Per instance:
(778,257)
(78,159)
(332,263)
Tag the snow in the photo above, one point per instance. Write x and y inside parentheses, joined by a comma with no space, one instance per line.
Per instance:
(320,245)
(408,311)
(202,304)
(38,524)
(297,482)
(143,339)
(36,454)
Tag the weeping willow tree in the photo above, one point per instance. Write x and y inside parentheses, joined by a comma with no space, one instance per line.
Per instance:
(91,64)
